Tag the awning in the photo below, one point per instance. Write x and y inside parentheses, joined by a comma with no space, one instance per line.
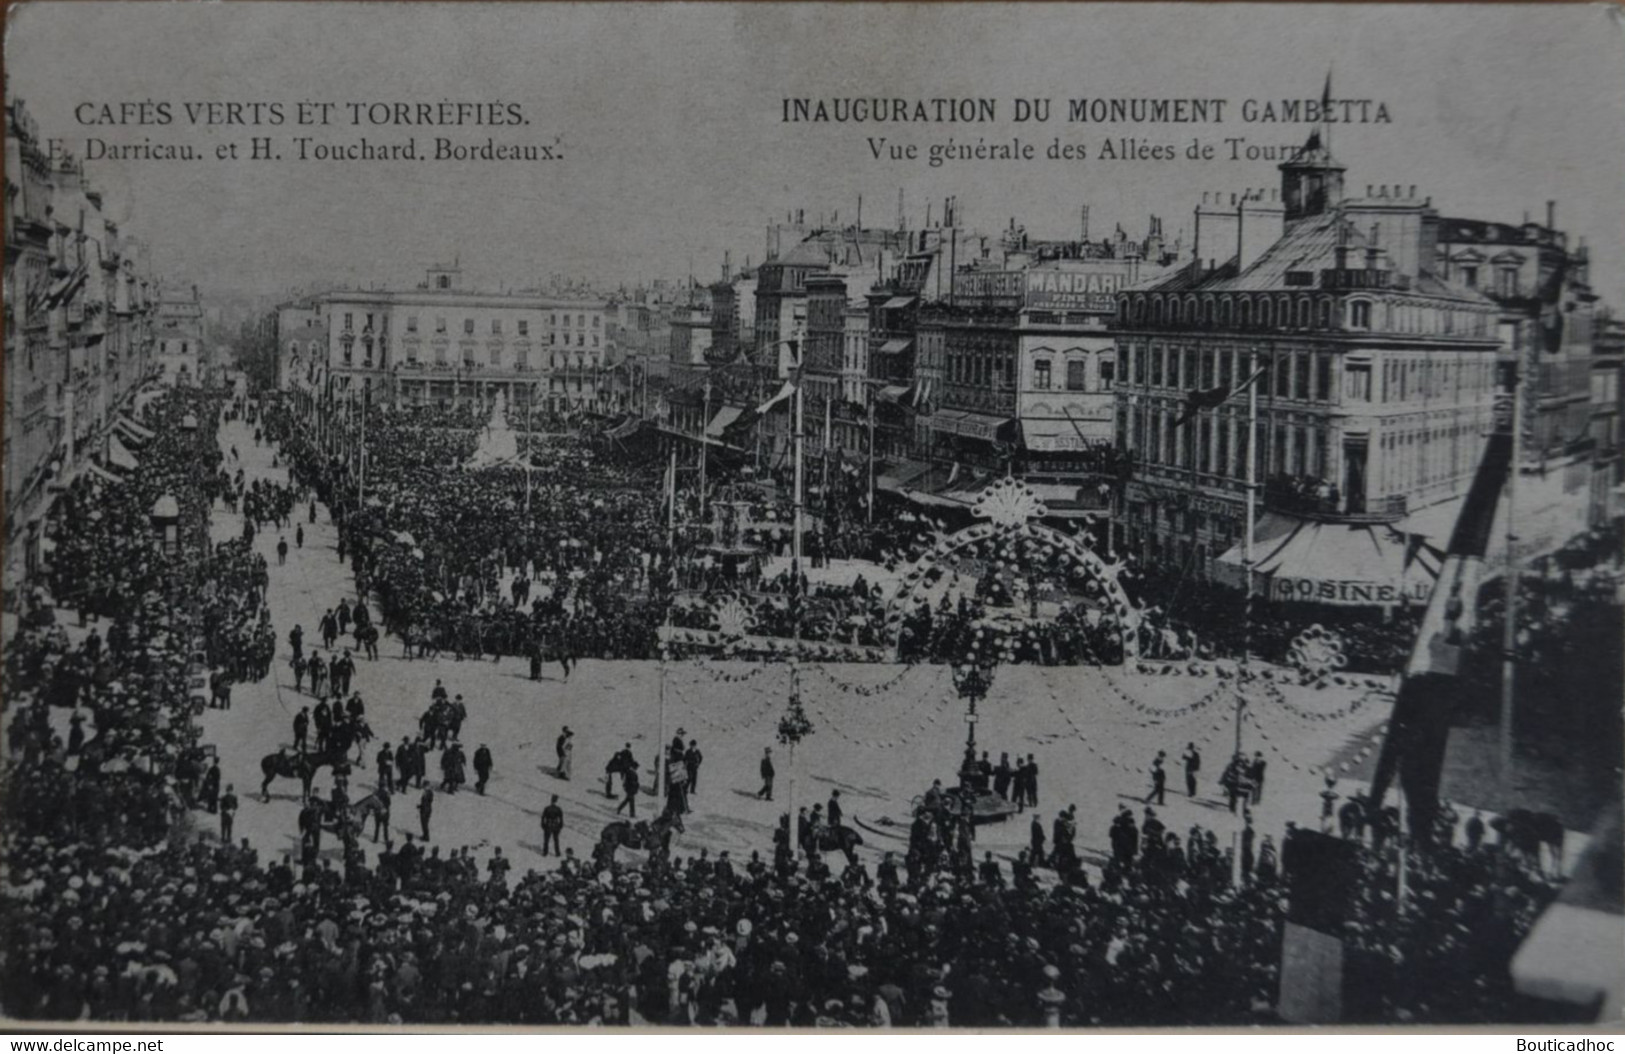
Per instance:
(133,431)
(1343,564)
(725,417)
(896,346)
(892,393)
(143,400)
(625,429)
(897,302)
(902,475)
(1051,434)
(968,424)
(119,456)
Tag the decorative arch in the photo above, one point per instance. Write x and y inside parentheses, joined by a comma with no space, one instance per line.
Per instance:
(1009,511)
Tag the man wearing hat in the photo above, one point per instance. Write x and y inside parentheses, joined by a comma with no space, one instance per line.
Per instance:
(426,810)
(552,824)
(482,767)
(228,812)
(766,793)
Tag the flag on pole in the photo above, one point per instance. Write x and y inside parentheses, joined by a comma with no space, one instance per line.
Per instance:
(1199,399)
(1432,688)
(745,420)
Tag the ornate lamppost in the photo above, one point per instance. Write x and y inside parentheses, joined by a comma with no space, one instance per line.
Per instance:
(972,680)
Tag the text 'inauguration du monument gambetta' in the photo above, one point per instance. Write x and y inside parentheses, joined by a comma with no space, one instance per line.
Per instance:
(941,131)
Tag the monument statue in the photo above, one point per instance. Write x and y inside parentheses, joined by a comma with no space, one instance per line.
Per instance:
(499,443)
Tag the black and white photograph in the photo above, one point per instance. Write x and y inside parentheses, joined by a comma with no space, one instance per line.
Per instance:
(805,516)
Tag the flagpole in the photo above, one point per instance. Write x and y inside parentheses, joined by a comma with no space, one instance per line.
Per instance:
(871,509)
(823,500)
(705,439)
(671,553)
(799,601)
(1252,499)
(361,458)
(1509,631)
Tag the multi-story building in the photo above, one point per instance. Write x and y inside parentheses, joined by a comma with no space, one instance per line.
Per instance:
(78,340)
(181,354)
(1607,414)
(443,344)
(301,338)
(1533,273)
(31,369)
(733,315)
(1375,377)
(691,337)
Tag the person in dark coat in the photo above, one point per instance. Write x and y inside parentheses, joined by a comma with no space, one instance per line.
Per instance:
(209,795)
(426,810)
(1035,852)
(482,767)
(1193,767)
(552,824)
(1159,782)
(630,788)
(301,728)
(691,764)
(1001,777)
(228,813)
(766,793)
(832,813)
(1255,772)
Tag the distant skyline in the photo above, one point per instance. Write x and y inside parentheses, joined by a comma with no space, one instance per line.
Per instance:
(676,150)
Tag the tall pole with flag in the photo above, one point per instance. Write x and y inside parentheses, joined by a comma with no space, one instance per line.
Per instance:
(871,507)
(361,454)
(530,400)
(665,636)
(1509,631)
(796,593)
(705,441)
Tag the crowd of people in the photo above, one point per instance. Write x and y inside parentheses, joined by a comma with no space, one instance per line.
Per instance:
(149,930)
(112,908)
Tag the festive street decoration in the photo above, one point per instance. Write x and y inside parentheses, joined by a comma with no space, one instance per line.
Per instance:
(1317,652)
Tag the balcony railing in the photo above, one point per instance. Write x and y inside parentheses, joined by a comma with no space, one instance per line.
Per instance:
(1313,498)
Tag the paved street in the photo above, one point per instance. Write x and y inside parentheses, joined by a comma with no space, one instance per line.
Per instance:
(880,748)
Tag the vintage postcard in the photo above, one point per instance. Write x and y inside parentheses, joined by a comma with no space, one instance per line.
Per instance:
(817,516)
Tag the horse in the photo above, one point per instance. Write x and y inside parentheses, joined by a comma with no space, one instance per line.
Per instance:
(302,767)
(841,837)
(654,836)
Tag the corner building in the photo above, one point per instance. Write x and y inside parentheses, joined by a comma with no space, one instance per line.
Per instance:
(1378,377)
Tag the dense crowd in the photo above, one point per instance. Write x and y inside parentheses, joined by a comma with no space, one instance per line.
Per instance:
(149,931)
(115,911)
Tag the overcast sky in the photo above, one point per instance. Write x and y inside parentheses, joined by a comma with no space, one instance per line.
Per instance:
(675,150)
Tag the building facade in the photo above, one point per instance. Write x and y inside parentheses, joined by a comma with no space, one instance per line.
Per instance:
(181,356)
(445,345)
(1538,278)
(80,306)
(1374,375)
